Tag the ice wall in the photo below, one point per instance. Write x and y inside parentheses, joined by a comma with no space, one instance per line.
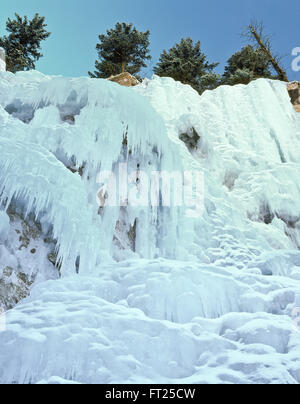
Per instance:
(2,60)
(228,310)
(58,133)
(249,150)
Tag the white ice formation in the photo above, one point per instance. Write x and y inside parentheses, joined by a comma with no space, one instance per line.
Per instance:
(150,293)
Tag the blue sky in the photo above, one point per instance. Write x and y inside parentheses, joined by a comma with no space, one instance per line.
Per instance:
(76,24)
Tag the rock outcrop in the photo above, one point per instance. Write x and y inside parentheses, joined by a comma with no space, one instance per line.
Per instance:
(14,286)
(294,92)
(125,79)
(26,257)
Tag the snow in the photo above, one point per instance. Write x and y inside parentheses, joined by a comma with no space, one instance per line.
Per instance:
(162,294)
(4,226)
(155,321)
(2,60)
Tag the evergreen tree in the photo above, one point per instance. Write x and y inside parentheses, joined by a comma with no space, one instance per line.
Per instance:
(209,81)
(247,65)
(121,49)
(23,44)
(186,63)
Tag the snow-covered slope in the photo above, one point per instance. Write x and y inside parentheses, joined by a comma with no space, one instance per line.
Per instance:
(210,298)
(2,60)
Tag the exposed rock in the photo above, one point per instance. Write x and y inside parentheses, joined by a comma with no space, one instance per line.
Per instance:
(190,138)
(70,119)
(294,92)
(75,169)
(125,235)
(132,236)
(23,259)
(125,79)
(13,287)
(297,108)
(28,233)
(53,258)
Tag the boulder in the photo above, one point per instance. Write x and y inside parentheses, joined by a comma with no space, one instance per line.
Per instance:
(294,92)
(125,79)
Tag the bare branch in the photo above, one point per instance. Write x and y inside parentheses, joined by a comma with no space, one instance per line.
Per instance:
(255,34)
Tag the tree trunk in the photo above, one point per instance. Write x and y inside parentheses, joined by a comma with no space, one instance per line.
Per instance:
(123,66)
(279,70)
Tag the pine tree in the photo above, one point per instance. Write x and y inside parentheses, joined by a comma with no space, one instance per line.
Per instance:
(23,44)
(247,65)
(121,49)
(186,63)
